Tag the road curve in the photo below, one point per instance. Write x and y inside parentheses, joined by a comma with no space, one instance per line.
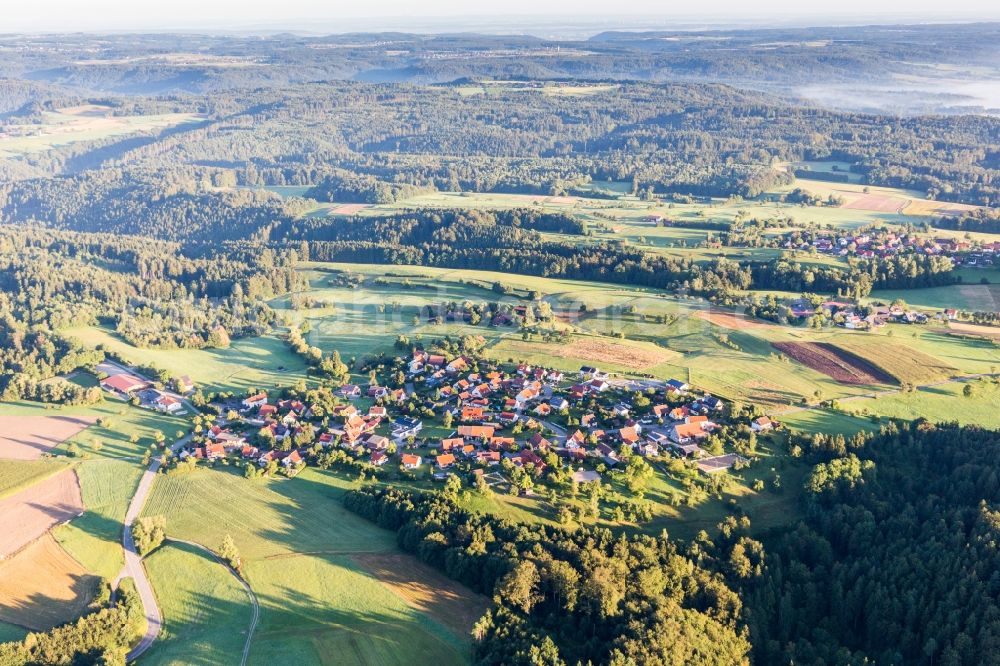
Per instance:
(133,562)
(255,607)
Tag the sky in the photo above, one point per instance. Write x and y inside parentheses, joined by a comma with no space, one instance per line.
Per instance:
(34,16)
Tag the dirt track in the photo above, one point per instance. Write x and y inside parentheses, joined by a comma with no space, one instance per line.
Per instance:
(28,437)
(31,513)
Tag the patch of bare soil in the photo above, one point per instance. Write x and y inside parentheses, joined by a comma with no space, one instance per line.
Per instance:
(28,437)
(29,514)
(426,589)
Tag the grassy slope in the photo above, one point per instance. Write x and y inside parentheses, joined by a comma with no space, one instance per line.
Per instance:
(248,363)
(939,403)
(94,539)
(296,540)
(206,611)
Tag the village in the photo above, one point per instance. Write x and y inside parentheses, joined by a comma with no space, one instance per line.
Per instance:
(471,418)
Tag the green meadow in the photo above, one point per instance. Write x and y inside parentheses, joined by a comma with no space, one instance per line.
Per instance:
(262,362)
(206,611)
(94,539)
(297,542)
(16,475)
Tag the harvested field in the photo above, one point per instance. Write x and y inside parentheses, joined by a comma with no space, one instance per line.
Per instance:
(348,209)
(985,297)
(957,328)
(424,588)
(733,321)
(596,350)
(838,364)
(900,361)
(32,512)
(927,207)
(42,586)
(880,203)
(28,437)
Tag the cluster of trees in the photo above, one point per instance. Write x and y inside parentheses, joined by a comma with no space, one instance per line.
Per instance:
(330,365)
(30,356)
(344,186)
(896,560)
(102,636)
(561,597)
(155,293)
(984,220)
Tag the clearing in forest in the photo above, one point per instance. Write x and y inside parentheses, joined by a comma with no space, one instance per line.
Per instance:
(426,589)
(28,437)
(42,586)
(32,512)
(900,361)
(838,364)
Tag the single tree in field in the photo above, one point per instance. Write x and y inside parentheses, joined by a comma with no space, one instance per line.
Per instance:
(230,553)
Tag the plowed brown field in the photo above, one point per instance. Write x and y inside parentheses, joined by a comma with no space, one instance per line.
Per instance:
(28,437)
(32,512)
(835,363)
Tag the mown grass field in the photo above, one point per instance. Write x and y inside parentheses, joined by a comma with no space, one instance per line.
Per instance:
(94,539)
(317,604)
(942,403)
(248,363)
(206,611)
(16,475)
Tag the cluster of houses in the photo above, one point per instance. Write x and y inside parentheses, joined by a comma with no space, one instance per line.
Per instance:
(127,386)
(851,316)
(498,416)
(885,243)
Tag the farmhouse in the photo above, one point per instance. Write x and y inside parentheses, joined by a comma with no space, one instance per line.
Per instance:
(255,400)
(684,433)
(168,404)
(761,424)
(123,384)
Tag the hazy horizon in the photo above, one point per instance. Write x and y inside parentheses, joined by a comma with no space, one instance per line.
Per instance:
(555,18)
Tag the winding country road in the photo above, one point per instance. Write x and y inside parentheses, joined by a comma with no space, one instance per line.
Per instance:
(133,562)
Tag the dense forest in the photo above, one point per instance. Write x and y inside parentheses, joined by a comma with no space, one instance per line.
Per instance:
(896,561)
(562,597)
(154,293)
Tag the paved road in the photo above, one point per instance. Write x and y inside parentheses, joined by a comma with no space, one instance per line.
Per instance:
(255,616)
(133,563)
